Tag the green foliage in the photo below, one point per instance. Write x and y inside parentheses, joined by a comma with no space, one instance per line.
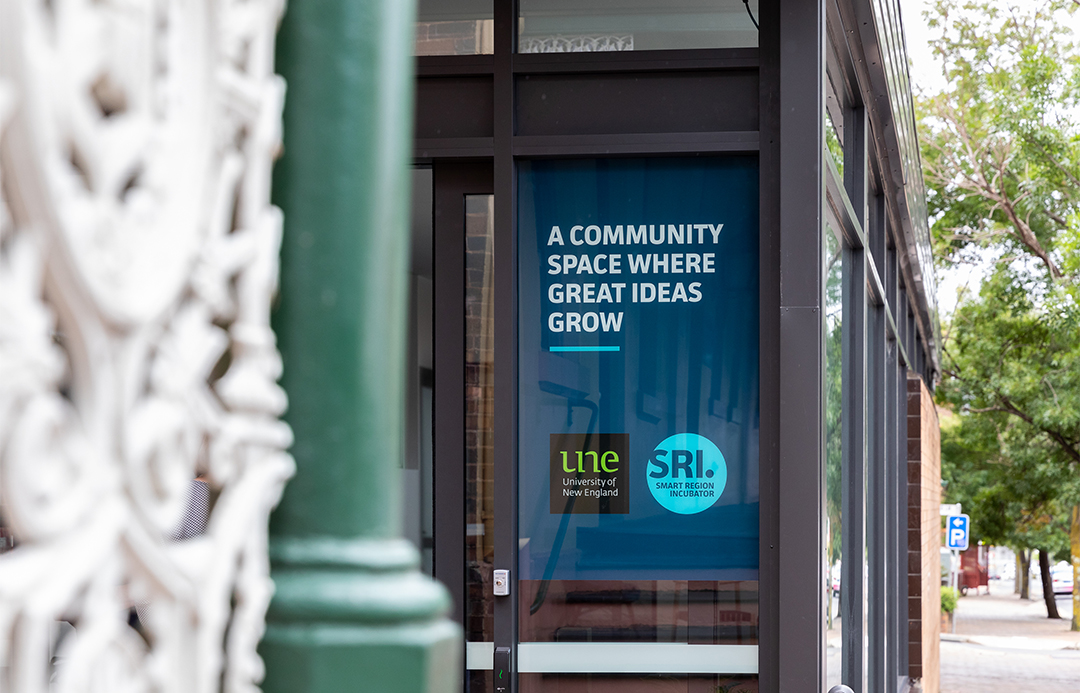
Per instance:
(1001,158)
(1012,372)
(1001,152)
(949,597)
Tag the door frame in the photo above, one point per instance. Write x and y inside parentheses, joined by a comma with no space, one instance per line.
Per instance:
(451,182)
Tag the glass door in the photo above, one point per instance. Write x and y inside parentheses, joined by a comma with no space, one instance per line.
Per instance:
(449,462)
(636,564)
(638,425)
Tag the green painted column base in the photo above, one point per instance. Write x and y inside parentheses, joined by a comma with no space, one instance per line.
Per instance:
(325,657)
(357,616)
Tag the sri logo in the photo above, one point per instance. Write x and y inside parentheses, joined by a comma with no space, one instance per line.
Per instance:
(687,473)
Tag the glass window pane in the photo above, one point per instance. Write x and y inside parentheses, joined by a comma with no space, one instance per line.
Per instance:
(834,144)
(479,428)
(834,492)
(586,26)
(417,466)
(637,683)
(638,349)
(455,27)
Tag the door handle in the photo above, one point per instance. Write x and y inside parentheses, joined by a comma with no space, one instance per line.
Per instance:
(502,670)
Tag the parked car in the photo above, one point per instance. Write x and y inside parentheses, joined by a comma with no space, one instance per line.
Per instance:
(1061,578)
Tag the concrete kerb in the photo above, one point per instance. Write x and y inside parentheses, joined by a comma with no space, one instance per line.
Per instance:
(1013,642)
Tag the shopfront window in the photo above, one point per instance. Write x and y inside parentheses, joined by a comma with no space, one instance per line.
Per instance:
(455,27)
(587,26)
(638,425)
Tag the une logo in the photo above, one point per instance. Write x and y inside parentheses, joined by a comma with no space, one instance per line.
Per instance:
(589,473)
(687,473)
(599,462)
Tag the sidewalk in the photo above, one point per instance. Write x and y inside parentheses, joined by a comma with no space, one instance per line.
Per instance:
(1004,644)
(1002,617)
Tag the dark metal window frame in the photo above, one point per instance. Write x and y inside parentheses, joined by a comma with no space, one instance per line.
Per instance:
(452,181)
(884,338)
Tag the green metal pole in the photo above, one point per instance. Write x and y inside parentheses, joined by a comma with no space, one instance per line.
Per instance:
(351,611)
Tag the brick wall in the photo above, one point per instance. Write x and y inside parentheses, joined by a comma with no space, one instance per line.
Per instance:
(924,536)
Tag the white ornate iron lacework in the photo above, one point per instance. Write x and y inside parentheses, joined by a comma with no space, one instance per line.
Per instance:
(585,43)
(138,258)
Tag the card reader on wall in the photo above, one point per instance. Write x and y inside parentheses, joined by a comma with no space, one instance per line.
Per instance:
(501,583)
(502,670)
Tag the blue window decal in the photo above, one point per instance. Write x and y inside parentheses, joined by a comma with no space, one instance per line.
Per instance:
(687,473)
(638,369)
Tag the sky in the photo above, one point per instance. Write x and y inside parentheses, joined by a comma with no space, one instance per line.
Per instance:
(926,75)
(923,70)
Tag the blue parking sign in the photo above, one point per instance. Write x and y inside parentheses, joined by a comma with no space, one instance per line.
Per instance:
(957,532)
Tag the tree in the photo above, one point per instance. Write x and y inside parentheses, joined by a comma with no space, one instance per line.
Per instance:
(1012,372)
(974,472)
(1001,158)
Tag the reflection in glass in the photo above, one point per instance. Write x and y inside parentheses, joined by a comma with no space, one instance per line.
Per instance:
(637,683)
(834,491)
(479,427)
(416,479)
(833,144)
(455,27)
(588,26)
(690,611)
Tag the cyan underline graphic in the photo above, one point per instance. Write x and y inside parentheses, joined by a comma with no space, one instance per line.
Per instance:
(584,348)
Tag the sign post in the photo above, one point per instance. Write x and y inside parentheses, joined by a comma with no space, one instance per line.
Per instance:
(956,532)
(951,509)
(957,535)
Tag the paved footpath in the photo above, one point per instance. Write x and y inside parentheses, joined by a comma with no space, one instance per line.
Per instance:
(1003,644)
(969,668)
